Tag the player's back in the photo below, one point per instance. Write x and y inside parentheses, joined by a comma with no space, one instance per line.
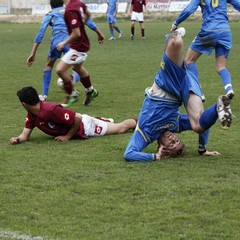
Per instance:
(214,15)
(57,22)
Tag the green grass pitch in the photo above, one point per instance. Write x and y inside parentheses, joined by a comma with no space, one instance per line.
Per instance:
(85,189)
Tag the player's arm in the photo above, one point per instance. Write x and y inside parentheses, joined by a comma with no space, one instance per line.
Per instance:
(235,4)
(73,129)
(92,25)
(38,38)
(144,6)
(87,15)
(23,137)
(187,11)
(202,145)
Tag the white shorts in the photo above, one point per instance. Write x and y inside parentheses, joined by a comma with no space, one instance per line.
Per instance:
(74,57)
(93,126)
(137,16)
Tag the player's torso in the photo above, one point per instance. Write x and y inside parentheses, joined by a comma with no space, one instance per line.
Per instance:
(112,4)
(214,14)
(57,20)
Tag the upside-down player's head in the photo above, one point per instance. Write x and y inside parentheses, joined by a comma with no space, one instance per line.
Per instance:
(170,146)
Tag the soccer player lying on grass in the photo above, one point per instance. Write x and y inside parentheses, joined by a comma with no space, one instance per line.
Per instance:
(64,124)
(173,86)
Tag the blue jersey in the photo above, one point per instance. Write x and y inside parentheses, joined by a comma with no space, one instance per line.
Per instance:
(214,13)
(54,19)
(112,6)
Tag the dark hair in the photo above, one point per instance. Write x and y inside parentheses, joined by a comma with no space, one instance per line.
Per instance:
(28,95)
(56,3)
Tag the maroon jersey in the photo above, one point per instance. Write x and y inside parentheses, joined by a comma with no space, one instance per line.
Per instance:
(54,120)
(137,5)
(74,18)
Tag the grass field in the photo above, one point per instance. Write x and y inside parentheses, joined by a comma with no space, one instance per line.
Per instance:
(85,189)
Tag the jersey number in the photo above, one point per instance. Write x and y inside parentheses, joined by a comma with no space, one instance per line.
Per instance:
(214,3)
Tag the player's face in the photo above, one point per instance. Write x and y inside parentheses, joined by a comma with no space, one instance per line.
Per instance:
(171,144)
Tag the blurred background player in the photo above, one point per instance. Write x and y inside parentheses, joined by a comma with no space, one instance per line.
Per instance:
(112,10)
(215,34)
(136,11)
(55,19)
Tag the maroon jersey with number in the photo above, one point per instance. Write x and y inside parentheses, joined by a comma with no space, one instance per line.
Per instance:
(54,120)
(137,5)
(74,18)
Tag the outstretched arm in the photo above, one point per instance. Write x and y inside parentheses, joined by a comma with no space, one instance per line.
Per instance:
(92,25)
(23,137)
(187,11)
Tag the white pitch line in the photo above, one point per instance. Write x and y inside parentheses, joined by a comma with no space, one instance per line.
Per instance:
(16,235)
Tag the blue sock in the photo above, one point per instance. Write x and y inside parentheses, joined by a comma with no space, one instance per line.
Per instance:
(47,74)
(117,29)
(209,117)
(76,76)
(226,79)
(112,32)
(193,68)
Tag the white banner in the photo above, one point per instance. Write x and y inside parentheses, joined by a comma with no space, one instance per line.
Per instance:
(178,6)
(40,9)
(157,6)
(102,8)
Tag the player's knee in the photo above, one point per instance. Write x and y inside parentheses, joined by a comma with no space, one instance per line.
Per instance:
(197,128)
(59,71)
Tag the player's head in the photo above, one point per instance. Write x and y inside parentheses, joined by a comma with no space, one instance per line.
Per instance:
(56,3)
(170,146)
(28,95)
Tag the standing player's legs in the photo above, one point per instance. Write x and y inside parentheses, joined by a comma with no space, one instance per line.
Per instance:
(225,75)
(142,30)
(133,20)
(222,49)
(91,93)
(140,19)
(111,22)
(191,59)
(47,75)
(132,29)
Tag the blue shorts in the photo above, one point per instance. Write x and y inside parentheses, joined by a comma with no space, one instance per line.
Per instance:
(206,41)
(111,19)
(56,39)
